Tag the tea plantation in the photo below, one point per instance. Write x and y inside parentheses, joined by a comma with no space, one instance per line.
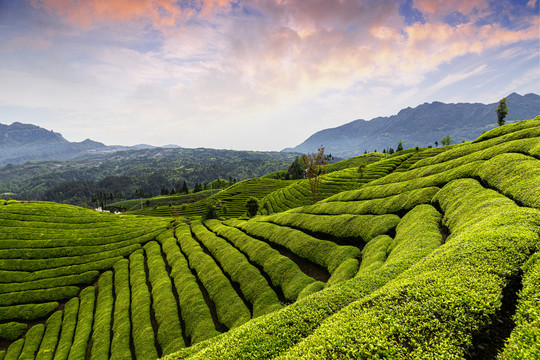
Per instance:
(423,254)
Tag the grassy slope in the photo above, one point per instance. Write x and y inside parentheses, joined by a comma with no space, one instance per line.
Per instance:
(421,256)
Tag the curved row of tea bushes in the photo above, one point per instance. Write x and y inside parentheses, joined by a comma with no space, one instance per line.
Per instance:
(85,321)
(27,276)
(41,264)
(322,252)
(69,322)
(32,339)
(283,272)
(299,193)
(269,336)
(374,254)
(435,308)
(252,284)
(37,296)
(230,308)
(518,141)
(12,330)
(524,342)
(79,279)
(26,312)
(14,350)
(508,128)
(121,325)
(394,204)
(101,331)
(344,226)
(197,318)
(141,304)
(50,337)
(51,251)
(169,331)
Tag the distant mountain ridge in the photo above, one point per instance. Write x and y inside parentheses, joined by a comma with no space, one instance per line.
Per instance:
(419,126)
(21,143)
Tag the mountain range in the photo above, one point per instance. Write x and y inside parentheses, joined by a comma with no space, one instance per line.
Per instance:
(419,126)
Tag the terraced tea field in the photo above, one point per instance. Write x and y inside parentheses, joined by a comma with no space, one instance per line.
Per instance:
(422,255)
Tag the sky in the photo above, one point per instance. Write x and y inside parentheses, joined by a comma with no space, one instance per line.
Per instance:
(253,75)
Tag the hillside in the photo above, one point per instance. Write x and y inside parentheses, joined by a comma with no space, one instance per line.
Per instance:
(428,254)
(419,126)
(20,143)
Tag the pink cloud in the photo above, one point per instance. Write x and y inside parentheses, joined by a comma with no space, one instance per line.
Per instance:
(163,13)
(441,8)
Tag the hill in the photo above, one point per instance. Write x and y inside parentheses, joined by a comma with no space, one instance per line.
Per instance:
(20,143)
(419,126)
(433,255)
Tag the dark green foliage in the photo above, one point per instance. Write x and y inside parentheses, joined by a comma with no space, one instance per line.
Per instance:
(400,145)
(296,170)
(501,111)
(142,331)
(252,206)
(121,327)
(43,295)
(12,330)
(80,279)
(101,331)
(169,332)
(50,338)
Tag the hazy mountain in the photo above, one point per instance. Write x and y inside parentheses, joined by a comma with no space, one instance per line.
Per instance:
(419,126)
(21,143)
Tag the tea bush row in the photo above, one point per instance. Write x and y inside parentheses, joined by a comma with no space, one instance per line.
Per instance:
(322,252)
(169,331)
(197,318)
(271,335)
(101,331)
(344,226)
(283,272)
(69,322)
(121,325)
(85,278)
(50,337)
(141,304)
(252,284)
(26,312)
(230,308)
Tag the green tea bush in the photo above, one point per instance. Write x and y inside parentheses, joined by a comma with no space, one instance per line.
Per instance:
(282,271)
(169,332)
(198,321)
(42,295)
(324,253)
(231,310)
(374,254)
(142,331)
(343,226)
(12,330)
(121,326)
(32,339)
(84,324)
(345,271)
(14,350)
(85,278)
(253,285)
(50,337)
(509,128)
(101,331)
(524,342)
(27,312)
(69,322)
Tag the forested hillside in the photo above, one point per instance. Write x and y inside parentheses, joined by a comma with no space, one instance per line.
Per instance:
(134,173)
(425,254)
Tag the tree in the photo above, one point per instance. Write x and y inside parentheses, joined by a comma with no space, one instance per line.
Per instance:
(436,144)
(252,206)
(315,166)
(399,146)
(185,188)
(447,140)
(502,111)
(296,170)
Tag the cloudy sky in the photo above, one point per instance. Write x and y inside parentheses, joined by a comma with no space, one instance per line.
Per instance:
(253,74)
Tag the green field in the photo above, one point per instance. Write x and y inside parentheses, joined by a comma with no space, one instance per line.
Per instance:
(423,254)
